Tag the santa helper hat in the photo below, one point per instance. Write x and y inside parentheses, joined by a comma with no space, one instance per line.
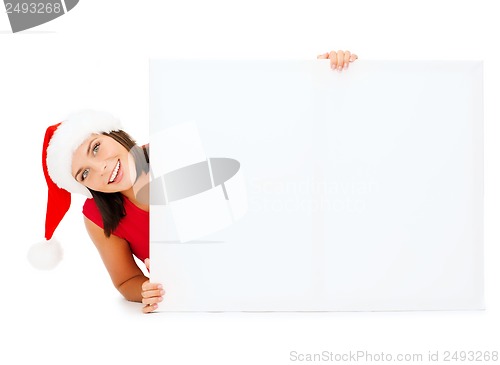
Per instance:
(60,142)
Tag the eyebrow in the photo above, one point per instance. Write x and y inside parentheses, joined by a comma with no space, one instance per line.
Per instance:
(88,152)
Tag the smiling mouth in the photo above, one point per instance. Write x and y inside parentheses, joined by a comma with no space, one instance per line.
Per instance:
(114,173)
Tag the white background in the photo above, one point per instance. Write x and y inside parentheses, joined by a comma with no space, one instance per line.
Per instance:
(97,56)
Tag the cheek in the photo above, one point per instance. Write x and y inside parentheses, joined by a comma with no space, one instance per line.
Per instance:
(95,182)
(91,183)
(131,168)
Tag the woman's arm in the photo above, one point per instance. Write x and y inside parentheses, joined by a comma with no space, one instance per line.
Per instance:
(117,257)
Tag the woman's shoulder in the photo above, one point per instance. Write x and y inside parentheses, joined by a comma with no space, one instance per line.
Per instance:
(91,211)
(89,204)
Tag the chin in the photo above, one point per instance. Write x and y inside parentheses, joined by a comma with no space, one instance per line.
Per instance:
(121,188)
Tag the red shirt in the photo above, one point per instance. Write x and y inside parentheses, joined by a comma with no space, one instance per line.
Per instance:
(134,227)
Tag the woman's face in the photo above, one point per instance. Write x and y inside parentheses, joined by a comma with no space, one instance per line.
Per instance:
(103,164)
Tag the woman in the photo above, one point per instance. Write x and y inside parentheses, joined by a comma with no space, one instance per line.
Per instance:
(89,153)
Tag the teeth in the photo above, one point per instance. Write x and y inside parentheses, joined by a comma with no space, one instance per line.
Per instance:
(115,172)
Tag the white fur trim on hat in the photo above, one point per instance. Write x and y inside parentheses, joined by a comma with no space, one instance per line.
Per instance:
(67,138)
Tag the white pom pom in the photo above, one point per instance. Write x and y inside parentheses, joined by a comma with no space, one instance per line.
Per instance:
(45,255)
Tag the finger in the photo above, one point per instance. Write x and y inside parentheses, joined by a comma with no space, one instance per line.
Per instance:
(153,293)
(152,300)
(149,308)
(146,262)
(347,57)
(323,56)
(333,59)
(353,57)
(147,285)
(155,289)
(340,60)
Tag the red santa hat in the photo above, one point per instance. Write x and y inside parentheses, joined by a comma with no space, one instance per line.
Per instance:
(60,142)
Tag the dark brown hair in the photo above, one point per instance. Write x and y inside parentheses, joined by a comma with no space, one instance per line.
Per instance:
(110,205)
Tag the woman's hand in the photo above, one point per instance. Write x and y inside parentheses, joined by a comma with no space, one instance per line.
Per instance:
(152,294)
(339,60)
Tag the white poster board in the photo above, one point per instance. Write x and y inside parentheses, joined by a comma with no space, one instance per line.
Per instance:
(287,186)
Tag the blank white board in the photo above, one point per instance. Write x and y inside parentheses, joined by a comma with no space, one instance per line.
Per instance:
(352,191)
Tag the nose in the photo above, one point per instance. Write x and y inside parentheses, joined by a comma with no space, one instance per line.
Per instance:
(100,166)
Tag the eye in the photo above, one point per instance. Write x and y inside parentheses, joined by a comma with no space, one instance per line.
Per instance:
(96,148)
(85,173)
